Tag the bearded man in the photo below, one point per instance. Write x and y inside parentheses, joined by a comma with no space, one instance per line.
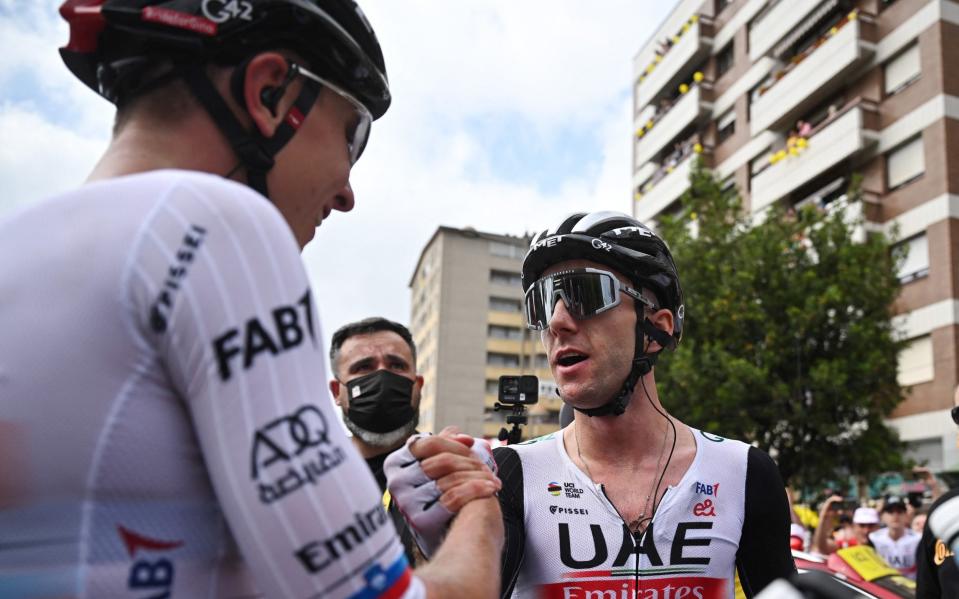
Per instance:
(377,387)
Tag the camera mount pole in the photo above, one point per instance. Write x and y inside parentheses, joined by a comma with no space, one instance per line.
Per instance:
(517,417)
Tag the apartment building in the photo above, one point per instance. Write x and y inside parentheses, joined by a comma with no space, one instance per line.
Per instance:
(468,322)
(789,99)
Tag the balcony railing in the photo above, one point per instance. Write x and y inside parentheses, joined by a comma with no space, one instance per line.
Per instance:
(689,109)
(666,191)
(677,64)
(784,18)
(812,76)
(643,173)
(836,140)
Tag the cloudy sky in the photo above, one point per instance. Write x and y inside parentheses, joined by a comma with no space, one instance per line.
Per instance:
(506,116)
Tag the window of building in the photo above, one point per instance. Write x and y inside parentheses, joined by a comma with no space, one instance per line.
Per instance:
(905,163)
(539,361)
(501,304)
(726,126)
(835,190)
(496,331)
(506,250)
(502,277)
(493,415)
(492,386)
(720,5)
(916,263)
(503,360)
(724,60)
(902,70)
(547,389)
(915,362)
(926,451)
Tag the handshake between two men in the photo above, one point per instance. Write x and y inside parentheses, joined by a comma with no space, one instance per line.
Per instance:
(434,477)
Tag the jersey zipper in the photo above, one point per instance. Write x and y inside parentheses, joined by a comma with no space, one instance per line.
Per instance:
(637,540)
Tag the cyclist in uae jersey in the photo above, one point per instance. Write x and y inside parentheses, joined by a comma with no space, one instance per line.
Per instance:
(627,501)
(897,542)
(164,429)
(566,539)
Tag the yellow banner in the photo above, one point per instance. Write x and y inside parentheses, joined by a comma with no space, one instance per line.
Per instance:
(866,562)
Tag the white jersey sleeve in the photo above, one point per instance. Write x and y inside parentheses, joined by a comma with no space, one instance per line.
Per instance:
(236,325)
(215,374)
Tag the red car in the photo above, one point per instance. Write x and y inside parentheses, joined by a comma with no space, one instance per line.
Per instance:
(858,569)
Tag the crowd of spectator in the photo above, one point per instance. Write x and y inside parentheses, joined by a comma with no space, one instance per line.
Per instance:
(664,45)
(666,103)
(892,525)
(797,139)
(681,150)
(805,52)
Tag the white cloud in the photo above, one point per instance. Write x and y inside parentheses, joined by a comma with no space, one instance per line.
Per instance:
(553,66)
(30,42)
(39,159)
(362,261)
(551,61)
(52,139)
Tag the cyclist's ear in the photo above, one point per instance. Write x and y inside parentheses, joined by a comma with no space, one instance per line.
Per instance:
(267,93)
(662,319)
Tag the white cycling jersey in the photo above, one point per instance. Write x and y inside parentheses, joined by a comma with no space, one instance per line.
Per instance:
(899,553)
(565,540)
(164,425)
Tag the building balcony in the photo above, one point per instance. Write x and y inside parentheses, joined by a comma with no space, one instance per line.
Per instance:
(509,319)
(783,21)
(817,76)
(690,108)
(692,47)
(643,173)
(505,346)
(666,191)
(842,138)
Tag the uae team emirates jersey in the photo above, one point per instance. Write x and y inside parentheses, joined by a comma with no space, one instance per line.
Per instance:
(899,553)
(565,539)
(165,429)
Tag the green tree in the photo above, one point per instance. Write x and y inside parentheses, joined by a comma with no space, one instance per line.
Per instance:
(788,341)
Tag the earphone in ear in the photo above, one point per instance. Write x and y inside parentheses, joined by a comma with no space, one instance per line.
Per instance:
(270,96)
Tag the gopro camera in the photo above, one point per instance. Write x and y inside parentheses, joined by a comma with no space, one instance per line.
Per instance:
(521,390)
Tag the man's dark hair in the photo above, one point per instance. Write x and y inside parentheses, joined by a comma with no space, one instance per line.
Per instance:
(368,326)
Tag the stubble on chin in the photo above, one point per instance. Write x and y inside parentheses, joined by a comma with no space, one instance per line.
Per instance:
(383,440)
(593,391)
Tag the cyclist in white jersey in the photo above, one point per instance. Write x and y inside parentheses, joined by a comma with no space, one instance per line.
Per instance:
(164,429)
(627,501)
(897,542)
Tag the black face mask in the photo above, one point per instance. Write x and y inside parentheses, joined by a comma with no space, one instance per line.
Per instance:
(380,402)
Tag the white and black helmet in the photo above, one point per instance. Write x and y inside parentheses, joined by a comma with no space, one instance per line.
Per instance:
(618,241)
(115,44)
(124,48)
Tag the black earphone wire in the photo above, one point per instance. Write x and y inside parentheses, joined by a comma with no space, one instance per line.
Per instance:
(662,475)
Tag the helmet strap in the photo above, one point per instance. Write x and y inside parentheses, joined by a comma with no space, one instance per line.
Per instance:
(255,151)
(642,364)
